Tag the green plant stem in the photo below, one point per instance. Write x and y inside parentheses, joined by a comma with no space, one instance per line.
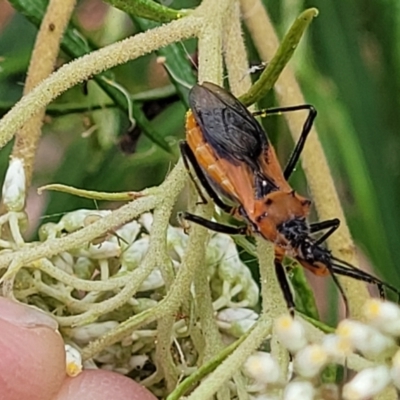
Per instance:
(41,65)
(91,194)
(205,369)
(83,68)
(273,303)
(228,367)
(148,9)
(280,59)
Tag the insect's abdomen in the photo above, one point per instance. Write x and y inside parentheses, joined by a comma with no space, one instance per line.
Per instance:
(207,159)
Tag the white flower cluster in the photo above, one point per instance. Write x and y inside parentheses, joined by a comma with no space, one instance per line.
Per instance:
(118,254)
(376,340)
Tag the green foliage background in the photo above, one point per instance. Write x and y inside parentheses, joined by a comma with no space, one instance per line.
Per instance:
(348,68)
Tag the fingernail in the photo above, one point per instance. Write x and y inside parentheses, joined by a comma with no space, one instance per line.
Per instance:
(25,316)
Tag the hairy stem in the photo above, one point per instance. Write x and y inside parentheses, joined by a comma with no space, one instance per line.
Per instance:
(41,65)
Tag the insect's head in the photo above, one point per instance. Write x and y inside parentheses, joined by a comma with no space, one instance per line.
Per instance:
(281,217)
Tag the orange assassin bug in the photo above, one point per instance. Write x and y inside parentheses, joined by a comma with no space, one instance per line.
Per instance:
(237,166)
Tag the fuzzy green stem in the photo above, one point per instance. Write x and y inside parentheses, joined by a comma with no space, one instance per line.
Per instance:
(273,303)
(282,56)
(41,65)
(83,68)
(227,368)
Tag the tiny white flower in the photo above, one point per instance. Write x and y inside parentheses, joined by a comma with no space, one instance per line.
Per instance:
(236,314)
(239,328)
(297,390)
(366,339)
(310,360)
(64,261)
(84,267)
(265,397)
(126,234)
(290,333)
(87,333)
(176,243)
(395,370)
(48,231)
(383,315)
(134,254)
(14,186)
(236,321)
(103,250)
(75,220)
(146,220)
(152,282)
(367,383)
(138,361)
(73,360)
(337,347)
(262,367)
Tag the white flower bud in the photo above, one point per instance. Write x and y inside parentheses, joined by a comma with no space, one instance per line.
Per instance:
(99,251)
(238,328)
(64,261)
(309,361)
(75,220)
(142,304)
(367,383)
(14,187)
(238,287)
(236,314)
(138,361)
(216,248)
(87,333)
(84,267)
(290,333)
(176,243)
(146,220)
(73,361)
(337,347)
(127,234)
(236,321)
(47,231)
(265,397)
(366,339)
(261,367)
(383,315)
(250,295)
(152,282)
(297,390)
(133,255)
(395,370)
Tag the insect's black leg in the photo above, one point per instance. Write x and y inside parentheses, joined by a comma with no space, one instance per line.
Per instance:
(330,224)
(362,276)
(294,157)
(340,288)
(353,272)
(183,147)
(188,156)
(215,226)
(285,287)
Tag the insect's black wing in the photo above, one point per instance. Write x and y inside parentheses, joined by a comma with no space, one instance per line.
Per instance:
(227,125)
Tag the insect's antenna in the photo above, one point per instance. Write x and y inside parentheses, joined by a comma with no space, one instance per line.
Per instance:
(344,268)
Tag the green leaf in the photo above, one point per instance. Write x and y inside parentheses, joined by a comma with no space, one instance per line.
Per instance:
(284,53)
(148,9)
